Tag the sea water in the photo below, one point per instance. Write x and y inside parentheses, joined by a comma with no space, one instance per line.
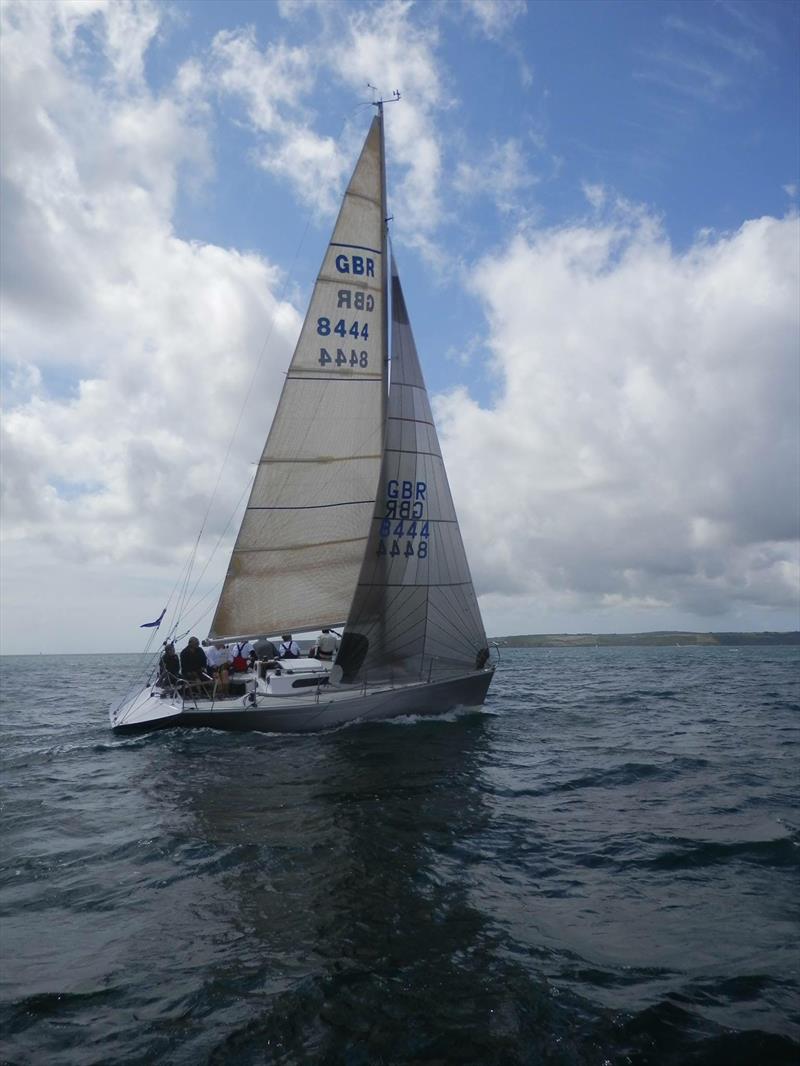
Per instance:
(598,867)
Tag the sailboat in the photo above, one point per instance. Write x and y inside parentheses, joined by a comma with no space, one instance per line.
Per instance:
(350,519)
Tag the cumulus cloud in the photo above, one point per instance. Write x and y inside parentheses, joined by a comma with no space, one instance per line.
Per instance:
(276,84)
(635,451)
(496,21)
(641,445)
(495,17)
(272,83)
(502,173)
(595,194)
(128,350)
(279,85)
(398,53)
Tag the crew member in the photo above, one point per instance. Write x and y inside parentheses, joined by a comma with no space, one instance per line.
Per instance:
(193,661)
(264,649)
(288,648)
(327,645)
(169,667)
(241,654)
(218,659)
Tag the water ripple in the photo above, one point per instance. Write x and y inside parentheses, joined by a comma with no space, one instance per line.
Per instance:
(598,868)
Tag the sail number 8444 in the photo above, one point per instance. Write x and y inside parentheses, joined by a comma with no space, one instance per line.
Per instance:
(341,329)
(342,358)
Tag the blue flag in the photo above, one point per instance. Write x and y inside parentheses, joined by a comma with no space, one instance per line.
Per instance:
(153,625)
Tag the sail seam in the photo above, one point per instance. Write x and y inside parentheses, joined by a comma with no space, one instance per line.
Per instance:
(440,521)
(362,196)
(312,506)
(399,584)
(323,459)
(413,451)
(300,547)
(354,281)
(360,247)
(454,621)
(300,376)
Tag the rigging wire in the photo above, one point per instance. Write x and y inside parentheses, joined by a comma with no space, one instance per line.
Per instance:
(142,666)
(220,539)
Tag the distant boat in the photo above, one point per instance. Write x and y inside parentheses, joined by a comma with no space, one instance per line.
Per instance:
(350,519)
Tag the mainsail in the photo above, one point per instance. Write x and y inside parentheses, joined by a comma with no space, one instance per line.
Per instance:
(298,554)
(415,613)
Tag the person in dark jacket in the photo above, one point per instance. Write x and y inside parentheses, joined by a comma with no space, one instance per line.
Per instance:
(193,664)
(265,649)
(169,667)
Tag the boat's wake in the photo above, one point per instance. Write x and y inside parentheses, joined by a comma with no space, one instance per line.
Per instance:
(453,715)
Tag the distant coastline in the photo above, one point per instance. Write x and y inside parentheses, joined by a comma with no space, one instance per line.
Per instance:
(660,638)
(655,639)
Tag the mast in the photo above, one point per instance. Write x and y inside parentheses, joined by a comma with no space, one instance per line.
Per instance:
(385,316)
(384,249)
(384,242)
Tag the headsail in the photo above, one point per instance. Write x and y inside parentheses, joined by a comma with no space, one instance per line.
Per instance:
(415,613)
(301,543)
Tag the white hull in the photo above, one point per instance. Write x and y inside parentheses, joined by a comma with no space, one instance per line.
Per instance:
(148,709)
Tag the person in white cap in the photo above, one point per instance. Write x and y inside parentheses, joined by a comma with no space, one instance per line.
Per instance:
(327,644)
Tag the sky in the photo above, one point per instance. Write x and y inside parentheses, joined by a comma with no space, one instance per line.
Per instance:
(595,216)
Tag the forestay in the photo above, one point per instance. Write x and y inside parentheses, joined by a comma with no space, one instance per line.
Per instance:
(297,557)
(415,613)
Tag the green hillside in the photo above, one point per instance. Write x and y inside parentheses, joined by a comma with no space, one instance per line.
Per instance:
(661,638)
